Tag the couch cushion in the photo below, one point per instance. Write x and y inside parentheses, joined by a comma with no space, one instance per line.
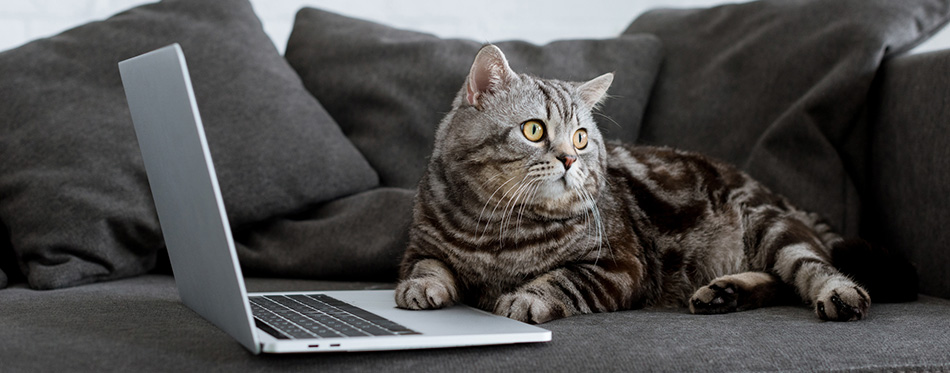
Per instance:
(73,191)
(389,88)
(140,322)
(774,86)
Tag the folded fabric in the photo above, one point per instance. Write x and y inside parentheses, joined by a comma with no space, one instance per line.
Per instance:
(73,190)
(775,87)
(389,88)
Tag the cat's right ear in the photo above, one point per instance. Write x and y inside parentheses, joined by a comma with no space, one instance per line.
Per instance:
(490,72)
(594,92)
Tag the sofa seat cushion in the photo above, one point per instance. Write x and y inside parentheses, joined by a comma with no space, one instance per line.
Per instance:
(141,322)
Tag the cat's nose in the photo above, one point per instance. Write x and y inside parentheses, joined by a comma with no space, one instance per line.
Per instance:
(567,160)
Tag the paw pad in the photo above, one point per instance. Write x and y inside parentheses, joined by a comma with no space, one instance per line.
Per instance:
(713,299)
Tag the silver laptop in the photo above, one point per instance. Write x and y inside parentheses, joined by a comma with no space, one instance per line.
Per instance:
(205,264)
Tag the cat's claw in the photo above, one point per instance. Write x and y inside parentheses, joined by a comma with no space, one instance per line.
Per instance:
(843,304)
(424,293)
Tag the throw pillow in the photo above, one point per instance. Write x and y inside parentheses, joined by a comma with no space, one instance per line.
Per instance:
(73,191)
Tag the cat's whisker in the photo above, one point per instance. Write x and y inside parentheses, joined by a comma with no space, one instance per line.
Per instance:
(602,115)
(534,194)
(591,202)
(591,218)
(530,196)
(513,203)
(578,193)
(588,214)
(502,198)
(517,186)
(482,213)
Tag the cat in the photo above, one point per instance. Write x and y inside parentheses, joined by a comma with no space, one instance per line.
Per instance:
(525,210)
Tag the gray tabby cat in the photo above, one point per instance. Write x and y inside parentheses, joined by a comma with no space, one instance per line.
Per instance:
(525,210)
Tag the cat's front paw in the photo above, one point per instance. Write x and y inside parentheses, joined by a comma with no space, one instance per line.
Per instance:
(425,293)
(527,307)
(843,303)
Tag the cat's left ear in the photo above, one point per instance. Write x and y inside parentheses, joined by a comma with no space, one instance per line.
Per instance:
(594,92)
(490,72)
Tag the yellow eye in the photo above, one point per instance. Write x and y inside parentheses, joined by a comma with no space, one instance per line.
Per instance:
(533,130)
(580,138)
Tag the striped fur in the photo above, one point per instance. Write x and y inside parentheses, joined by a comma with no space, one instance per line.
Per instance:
(542,230)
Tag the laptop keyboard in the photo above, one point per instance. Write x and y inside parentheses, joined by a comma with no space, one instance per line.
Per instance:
(318,316)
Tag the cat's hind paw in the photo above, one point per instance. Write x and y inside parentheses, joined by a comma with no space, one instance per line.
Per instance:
(844,303)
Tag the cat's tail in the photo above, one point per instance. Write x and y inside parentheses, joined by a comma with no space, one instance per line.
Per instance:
(886,274)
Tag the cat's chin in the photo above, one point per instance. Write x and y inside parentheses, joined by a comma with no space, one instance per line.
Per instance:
(559,212)
(557,201)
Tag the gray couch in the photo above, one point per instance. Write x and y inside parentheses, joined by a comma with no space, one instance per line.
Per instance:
(888,137)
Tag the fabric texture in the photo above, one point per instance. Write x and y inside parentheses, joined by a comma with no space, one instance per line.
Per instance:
(140,322)
(73,191)
(774,86)
(910,165)
(389,88)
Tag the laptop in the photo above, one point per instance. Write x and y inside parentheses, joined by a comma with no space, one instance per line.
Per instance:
(205,264)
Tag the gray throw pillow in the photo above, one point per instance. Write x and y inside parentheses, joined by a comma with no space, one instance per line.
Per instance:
(361,237)
(73,191)
(775,87)
(389,88)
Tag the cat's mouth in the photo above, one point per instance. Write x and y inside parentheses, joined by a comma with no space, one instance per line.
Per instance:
(563,190)
(570,179)
(567,183)
(561,201)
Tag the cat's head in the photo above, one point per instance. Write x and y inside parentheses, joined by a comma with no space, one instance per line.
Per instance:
(517,140)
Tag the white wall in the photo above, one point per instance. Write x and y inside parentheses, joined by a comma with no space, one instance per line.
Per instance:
(537,21)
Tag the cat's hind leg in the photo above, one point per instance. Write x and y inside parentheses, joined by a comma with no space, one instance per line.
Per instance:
(836,297)
(799,257)
(739,292)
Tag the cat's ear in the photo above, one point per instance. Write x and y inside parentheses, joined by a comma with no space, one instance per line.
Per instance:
(594,92)
(490,72)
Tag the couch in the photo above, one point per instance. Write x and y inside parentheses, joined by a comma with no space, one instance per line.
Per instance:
(317,152)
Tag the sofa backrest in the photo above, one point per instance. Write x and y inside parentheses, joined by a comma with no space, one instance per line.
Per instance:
(906,188)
